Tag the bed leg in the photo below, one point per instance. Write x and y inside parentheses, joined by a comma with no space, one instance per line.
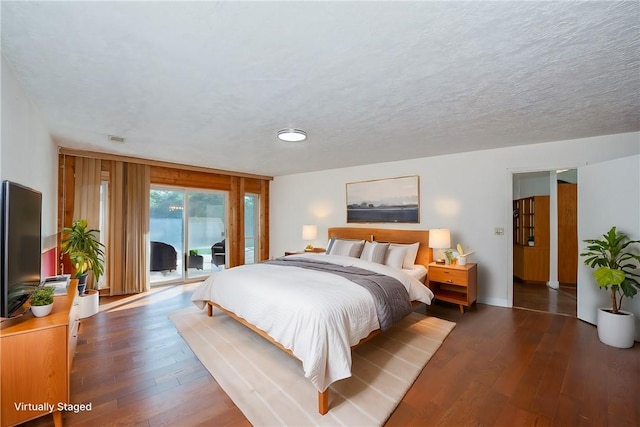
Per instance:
(323,402)
(209,309)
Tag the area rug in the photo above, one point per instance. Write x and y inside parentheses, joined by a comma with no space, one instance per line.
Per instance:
(269,386)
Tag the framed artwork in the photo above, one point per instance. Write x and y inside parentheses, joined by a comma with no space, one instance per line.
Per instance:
(384,200)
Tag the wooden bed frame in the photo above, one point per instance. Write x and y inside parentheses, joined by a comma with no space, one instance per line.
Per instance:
(424,257)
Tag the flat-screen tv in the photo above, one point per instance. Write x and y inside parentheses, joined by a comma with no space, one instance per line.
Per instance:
(21,245)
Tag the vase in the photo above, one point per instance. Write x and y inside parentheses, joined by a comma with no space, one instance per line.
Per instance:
(616,330)
(82,283)
(41,310)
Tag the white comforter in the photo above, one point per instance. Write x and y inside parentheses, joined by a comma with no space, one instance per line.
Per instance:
(318,316)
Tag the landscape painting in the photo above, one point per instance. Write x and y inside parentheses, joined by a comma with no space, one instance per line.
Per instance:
(384,200)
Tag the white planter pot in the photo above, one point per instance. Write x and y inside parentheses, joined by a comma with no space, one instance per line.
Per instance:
(89,304)
(41,310)
(616,330)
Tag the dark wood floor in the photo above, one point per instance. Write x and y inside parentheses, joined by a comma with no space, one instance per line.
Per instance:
(538,296)
(502,367)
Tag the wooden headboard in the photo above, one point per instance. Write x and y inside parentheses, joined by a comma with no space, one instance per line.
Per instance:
(388,235)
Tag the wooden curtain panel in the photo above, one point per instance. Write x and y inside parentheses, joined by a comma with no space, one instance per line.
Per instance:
(128,251)
(86,197)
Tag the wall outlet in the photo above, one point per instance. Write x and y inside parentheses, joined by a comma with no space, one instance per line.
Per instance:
(498,231)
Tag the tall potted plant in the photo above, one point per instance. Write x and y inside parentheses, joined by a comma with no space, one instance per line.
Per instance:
(85,251)
(616,271)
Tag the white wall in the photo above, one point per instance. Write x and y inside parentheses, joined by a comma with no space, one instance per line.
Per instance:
(531,184)
(604,205)
(470,193)
(28,155)
(539,183)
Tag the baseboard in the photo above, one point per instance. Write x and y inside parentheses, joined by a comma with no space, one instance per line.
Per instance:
(498,302)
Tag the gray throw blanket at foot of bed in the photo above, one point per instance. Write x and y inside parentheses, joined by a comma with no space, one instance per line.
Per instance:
(391,298)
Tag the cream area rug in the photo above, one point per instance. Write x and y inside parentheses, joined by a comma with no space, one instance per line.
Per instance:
(269,386)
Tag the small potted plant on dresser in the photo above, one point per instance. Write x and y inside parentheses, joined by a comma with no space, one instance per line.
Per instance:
(85,251)
(616,271)
(42,301)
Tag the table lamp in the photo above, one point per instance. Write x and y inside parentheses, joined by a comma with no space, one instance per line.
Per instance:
(309,233)
(439,238)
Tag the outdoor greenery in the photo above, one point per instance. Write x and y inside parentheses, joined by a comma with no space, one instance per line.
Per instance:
(617,265)
(42,296)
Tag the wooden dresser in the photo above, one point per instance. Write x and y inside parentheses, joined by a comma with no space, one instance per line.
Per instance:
(35,361)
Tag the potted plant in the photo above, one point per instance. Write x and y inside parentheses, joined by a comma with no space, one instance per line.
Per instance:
(42,301)
(449,256)
(462,255)
(616,271)
(195,260)
(85,251)
(530,241)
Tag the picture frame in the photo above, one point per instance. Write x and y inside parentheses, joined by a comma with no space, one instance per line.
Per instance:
(389,200)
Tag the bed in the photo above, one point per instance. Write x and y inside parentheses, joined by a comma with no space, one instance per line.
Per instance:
(309,306)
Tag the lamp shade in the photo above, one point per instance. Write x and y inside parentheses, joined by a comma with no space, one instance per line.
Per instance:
(439,238)
(309,232)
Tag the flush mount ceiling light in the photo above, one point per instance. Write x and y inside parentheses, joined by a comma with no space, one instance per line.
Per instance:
(292,135)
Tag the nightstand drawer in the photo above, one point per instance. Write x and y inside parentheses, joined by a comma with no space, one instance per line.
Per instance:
(448,275)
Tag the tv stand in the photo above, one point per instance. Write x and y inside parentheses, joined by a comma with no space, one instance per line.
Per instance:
(37,353)
(24,310)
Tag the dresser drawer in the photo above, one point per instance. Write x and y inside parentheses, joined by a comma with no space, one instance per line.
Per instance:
(448,275)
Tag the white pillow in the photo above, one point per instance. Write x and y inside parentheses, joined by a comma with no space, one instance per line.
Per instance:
(410,254)
(352,248)
(395,256)
(374,252)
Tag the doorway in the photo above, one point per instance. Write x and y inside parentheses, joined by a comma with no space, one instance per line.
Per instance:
(545,245)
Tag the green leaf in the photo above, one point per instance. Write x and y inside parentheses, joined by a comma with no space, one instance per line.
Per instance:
(606,276)
(628,289)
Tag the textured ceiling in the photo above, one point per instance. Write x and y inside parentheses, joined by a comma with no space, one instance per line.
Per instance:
(211,83)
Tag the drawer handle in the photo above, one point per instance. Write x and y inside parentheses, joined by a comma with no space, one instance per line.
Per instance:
(449,281)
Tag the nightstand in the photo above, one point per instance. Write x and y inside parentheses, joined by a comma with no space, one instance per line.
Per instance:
(454,283)
(312,251)
(287,253)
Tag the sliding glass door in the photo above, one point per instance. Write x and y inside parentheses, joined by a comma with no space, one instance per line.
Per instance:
(206,231)
(166,233)
(251,221)
(187,229)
